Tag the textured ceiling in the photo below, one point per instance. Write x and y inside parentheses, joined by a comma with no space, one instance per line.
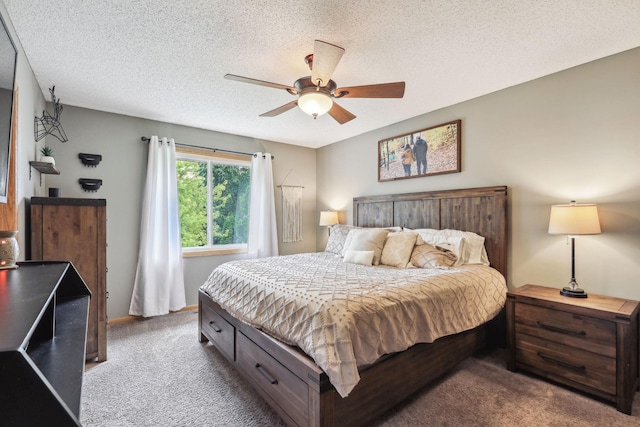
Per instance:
(165,59)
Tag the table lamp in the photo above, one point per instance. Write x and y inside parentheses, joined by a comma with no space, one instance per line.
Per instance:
(328,218)
(574,220)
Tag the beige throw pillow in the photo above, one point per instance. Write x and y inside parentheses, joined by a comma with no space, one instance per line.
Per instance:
(358,257)
(397,249)
(366,239)
(428,256)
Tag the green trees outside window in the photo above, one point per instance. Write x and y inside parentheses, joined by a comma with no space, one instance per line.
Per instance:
(214,201)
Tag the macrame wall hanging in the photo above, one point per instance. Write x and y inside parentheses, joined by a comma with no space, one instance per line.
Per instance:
(291,213)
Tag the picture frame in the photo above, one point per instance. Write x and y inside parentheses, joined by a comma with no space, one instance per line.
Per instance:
(443,151)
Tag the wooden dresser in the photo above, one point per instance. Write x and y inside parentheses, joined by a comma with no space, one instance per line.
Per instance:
(66,229)
(589,344)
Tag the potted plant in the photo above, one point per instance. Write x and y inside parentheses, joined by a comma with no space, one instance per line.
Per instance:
(47,155)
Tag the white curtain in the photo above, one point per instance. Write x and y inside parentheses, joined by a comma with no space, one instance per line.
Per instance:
(291,214)
(159,284)
(263,233)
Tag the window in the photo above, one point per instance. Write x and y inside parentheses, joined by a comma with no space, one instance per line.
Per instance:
(213,193)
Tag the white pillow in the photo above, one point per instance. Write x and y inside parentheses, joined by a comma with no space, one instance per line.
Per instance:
(347,239)
(337,237)
(359,257)
(366,239)
(473,252)
(433,237)
(397,248)
(473,246)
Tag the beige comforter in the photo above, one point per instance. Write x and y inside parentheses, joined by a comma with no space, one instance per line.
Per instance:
(348,315)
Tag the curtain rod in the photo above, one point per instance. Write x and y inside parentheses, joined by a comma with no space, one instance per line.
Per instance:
(147,139)
(292,186)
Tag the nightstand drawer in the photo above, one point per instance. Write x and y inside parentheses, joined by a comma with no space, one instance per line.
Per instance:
(583,332)
(558,361)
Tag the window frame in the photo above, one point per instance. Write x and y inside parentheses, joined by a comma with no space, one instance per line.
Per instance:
(184,153)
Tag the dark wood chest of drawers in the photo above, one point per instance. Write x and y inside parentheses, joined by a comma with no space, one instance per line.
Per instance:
(75,230)
(588,344)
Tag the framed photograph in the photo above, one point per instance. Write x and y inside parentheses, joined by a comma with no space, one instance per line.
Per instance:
(430,151)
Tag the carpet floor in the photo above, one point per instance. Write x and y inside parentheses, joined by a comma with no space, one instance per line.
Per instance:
(158,374)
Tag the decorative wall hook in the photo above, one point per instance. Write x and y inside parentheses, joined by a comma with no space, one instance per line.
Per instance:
(91,160)
(90,184)
(48,124)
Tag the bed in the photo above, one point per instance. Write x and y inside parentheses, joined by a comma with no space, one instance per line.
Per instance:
(294,384)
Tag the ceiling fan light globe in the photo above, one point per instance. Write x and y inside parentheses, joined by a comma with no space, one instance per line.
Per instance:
(315,103)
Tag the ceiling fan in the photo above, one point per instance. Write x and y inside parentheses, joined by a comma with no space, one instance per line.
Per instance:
(316,92)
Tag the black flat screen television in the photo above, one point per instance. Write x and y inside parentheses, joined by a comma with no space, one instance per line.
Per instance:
(8,57)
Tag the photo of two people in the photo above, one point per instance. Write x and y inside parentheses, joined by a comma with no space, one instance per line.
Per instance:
(431,151)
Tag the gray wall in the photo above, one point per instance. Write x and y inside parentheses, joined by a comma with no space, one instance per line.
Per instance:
(123,170)
(570,135)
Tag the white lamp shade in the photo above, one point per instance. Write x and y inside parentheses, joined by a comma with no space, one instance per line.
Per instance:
(574,220)
(328,217)
(315,103)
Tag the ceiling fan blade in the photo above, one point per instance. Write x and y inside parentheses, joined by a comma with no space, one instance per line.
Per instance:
(259,82)
(280,110)
(325,60)
(340,115)
(383,90)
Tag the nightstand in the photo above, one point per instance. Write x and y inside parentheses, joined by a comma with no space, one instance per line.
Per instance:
(589,344)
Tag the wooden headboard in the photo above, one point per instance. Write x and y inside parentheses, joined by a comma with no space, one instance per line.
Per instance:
(481,210)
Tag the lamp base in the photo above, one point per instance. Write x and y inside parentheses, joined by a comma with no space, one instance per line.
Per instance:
(573,292)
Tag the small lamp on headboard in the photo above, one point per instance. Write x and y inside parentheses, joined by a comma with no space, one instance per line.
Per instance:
(574,220)
(328,218)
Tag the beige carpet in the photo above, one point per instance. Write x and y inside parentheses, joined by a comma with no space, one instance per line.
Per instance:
(158,374)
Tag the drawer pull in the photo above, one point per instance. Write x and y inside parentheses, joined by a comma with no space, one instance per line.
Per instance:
(561,330)
(562,363)
(266,374)
(215,328)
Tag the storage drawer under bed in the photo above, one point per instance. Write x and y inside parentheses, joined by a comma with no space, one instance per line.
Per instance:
(283,386)
(219,331)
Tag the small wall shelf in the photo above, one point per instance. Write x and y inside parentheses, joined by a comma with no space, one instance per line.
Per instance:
(44,168)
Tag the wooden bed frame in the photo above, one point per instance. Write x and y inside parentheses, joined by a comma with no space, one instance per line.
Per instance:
(299,391)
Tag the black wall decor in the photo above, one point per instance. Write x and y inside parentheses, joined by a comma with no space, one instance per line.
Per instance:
(90,184)
(50,124)
(90,160)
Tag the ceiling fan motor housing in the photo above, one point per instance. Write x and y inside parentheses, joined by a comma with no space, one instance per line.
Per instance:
(306,83)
